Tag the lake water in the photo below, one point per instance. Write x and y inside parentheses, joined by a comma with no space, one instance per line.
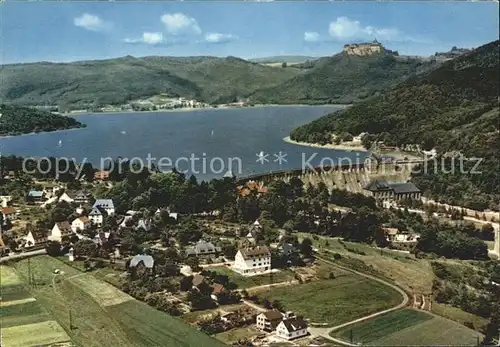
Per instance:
(207,142)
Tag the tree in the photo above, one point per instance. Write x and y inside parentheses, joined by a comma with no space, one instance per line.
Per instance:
(85,248)
(284,64)
(194,264)
(306,247)
(186,283)
(277,305)
(53,249)
(229,251)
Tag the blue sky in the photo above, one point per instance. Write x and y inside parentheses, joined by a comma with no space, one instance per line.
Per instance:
(68,31)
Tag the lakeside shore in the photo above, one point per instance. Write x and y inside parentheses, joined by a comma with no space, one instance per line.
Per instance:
(328,146)
(188,109)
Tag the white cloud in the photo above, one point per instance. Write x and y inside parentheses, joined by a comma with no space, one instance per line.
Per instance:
(311,36)
(147,38)
(345,29)
(179,23)
(152,38)
(90,22)
(219,38)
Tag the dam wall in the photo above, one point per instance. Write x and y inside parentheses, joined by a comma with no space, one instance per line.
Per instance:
(352,178)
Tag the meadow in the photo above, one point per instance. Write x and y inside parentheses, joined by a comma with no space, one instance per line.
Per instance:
(335,301)
(385,325)
(244,282)
(24,321)
(102,315)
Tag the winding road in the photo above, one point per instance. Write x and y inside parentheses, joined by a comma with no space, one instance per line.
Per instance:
(325,332)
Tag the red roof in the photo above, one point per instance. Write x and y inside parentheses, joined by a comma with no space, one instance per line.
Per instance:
(217,288)
(101,175)
(8,210)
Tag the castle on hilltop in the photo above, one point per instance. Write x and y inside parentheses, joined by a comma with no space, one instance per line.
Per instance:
(363,49)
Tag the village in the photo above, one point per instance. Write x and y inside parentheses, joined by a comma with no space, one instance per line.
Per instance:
(230,280)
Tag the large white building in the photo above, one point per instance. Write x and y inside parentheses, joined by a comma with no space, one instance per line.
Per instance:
(249,261)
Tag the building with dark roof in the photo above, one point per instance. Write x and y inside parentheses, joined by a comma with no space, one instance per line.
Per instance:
(381,189)
(269,320)
(202,248)
(292,328)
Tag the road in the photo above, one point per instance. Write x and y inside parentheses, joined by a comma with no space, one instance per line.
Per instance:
(22,255)
(325,332)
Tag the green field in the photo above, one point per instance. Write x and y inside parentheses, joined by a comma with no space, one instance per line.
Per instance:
(336,301)
(101,314)
(382,326)
(247,282)
(24,321)
(435,331)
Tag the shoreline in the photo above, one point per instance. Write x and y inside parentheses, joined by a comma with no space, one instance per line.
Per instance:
(42,132)
(340,147)
(187,109)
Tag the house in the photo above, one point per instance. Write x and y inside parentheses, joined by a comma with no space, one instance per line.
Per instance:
(252,187)
(144,224)
(80,223)
(105,204)
(9,213)
(292,328)
(269,320)
(101,237)
(381,189)
(252,260)
(36,196)
(5,200)
(59,230)
(35,238)
(66,197)
(83,197)
(101,175)
(202,248)
(96,216)
(217,289)
(142,260)
(124,222)
(253,232)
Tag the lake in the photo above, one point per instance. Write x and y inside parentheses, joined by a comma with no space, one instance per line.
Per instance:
(205,142)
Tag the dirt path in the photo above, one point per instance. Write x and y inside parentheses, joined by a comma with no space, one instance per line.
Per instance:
(265,286)
(325,332)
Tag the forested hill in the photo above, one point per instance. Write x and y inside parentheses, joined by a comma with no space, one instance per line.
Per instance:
(341,79)
(117,81)
(453,107)
(16,120)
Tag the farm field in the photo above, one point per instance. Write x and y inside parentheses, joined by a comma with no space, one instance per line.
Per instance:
(247,282)
(101,314)
(435,331)
(21,313)
(336,301)
(459,316)
(385,325)
(233,335)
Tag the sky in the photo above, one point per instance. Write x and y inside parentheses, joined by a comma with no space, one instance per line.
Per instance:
(70,31)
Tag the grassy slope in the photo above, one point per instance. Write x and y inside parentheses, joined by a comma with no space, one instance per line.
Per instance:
(253,281)
(119,80)
(382,326)
(336,301)
(436,331)
(340,79)
(17,318)
(130,323)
